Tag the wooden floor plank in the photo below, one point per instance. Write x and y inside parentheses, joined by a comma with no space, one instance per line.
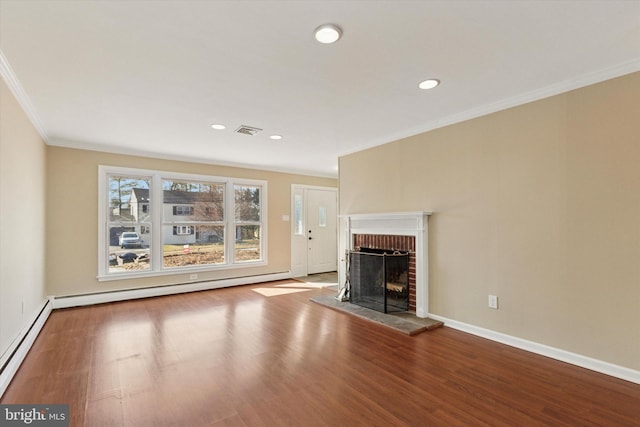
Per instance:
(235,357)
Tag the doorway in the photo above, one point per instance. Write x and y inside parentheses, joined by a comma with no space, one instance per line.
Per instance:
(314,232)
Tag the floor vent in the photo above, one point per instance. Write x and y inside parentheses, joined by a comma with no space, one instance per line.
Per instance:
(248,130)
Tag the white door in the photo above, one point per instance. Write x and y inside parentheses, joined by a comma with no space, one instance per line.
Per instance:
(321,231)
(314,230)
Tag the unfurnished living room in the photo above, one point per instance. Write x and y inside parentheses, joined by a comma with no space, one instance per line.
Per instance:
(320,213)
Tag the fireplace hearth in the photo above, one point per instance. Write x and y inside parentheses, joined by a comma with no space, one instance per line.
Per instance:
(403,231)
(379,279)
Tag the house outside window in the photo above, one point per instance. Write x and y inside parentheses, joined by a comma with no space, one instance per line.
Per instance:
(125,223)
(197,219)
(181,221)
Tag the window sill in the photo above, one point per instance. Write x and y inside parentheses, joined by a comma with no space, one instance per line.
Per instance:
(178,271)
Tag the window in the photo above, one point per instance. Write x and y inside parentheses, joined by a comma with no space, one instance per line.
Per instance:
(183,210)
(297,215)
(128,246)
(198,221)
(322,216)
(160,222)
(181,229)
(247,223)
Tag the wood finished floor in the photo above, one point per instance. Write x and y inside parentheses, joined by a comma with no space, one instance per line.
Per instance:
(237,357)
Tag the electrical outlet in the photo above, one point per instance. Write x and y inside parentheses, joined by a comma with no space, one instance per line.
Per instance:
(493,301)
(193,277)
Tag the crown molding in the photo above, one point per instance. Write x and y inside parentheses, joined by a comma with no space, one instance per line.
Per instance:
(130,151)
(568,85)
(21,96)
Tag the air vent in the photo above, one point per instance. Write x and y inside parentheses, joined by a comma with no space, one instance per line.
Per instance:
(248,130)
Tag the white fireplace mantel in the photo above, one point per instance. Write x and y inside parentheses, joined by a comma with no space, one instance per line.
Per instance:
(414,224)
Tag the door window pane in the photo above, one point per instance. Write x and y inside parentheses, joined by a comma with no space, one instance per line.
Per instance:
(322,217)
(297,215)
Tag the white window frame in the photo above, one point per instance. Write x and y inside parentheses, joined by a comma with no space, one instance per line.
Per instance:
(156,207)
(261,223)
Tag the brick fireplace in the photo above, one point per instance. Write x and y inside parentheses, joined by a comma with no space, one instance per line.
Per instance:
(404,231)
(394,243)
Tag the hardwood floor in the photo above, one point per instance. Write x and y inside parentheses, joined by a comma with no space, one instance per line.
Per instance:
(237,357)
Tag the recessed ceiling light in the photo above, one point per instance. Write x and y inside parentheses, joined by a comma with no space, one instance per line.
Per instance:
(429,84)
(328,33)
(276,137)
(218,127)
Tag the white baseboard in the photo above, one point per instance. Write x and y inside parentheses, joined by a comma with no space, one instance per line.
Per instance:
(545,350)
(24,341)
(27,336)
(31,331)
(155,291)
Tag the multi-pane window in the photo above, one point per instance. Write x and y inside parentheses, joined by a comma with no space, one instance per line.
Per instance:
(162,222)
(182,229)
(195,213)
(128,241)
(183,210)
(247,223)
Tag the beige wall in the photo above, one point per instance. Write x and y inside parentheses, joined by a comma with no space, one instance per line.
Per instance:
(539,205)
(22,220)
(72,218)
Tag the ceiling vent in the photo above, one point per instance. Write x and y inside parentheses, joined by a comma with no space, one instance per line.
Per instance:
(248,130)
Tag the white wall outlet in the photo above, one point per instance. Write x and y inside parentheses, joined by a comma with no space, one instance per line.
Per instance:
(285,218)
(193,277)
(493,301)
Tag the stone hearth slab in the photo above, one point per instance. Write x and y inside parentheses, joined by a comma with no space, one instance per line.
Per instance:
(406,323)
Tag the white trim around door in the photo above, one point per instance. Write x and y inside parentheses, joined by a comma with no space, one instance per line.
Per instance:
(300,227)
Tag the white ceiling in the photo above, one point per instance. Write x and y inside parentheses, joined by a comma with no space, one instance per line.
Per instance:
(150,77)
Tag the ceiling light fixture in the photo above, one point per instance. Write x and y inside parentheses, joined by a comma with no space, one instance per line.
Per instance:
(276,137)
(429,84)
(218,127)
(328,33)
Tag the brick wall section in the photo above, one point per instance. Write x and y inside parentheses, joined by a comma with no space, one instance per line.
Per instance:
(398,243)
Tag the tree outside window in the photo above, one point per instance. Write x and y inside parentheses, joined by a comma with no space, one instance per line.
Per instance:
(161,222)
(129,243)
(247,223)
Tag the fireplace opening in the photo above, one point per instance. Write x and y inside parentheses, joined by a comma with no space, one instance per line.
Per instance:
(379,279)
